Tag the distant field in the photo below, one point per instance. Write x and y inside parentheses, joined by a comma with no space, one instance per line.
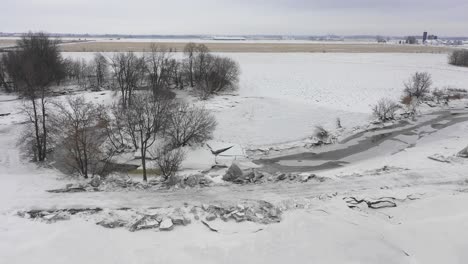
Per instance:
(278,47)
(258,47)
(7,42)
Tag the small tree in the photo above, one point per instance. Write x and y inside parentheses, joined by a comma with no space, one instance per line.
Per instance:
(216,75)
(418,85)
(459,57)
(385,110)
(149,118)
(190,125)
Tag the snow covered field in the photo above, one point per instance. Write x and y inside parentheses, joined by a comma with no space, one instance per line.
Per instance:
(280,99)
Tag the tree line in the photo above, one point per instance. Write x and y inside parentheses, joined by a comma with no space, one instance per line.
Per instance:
(159,69)
(147,118)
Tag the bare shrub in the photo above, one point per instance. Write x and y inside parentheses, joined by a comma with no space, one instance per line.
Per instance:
(385,109)
(455,96)
(410,105)
(459,58)
(169,161)
(439,94)
(406,99)
(418,85)
(189,124)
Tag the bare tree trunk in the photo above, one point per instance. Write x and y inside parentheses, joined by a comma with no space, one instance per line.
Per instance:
(85,167)
(191,72)
(85,156)
(36,128)
(143,157)
(44,129)
(129,96)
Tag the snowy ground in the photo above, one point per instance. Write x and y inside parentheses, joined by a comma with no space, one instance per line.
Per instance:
(431,229)
(281,98)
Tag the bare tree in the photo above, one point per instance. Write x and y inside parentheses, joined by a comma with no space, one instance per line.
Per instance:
(201,62)
(36,64)
(189,51)
(385,109)
(78,125)
(190,125)
(128,70)
(418,85)
(160,68)
(213,73)
(177,73)
(68,65)
(29,135)
(221,74)
(79,71)
(100,67)
(149,117)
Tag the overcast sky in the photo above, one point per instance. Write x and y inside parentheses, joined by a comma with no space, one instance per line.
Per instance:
(241,17)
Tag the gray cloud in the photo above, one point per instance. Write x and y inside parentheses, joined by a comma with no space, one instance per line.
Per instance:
(390,17)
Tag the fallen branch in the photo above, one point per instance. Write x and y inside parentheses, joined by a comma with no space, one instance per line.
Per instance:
(209,227)
(377,204)
(68,190)
(439,158)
